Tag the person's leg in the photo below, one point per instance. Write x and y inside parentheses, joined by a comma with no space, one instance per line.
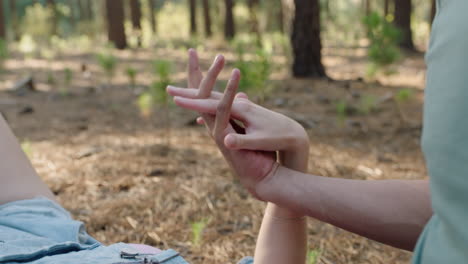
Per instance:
(18,179)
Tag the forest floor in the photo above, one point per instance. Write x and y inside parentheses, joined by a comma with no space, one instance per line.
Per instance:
(112,168)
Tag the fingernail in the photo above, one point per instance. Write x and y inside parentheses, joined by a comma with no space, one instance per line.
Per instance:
(230,141)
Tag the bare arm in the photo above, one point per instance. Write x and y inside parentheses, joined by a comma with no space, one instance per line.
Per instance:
(18,179)
(393,212)
(283,234)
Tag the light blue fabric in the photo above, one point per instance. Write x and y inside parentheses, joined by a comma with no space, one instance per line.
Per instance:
(31,229)
(246,260)
(445,137)
(39,231)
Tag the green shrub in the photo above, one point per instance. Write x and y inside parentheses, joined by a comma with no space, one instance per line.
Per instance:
(156,93)
(367,104)
(197,231)
(3,52)
(383,50)
(341,108)
(403,95)
(313,256)
(68,77)
(131,74)
(108,63)
(38,22)
(254,72)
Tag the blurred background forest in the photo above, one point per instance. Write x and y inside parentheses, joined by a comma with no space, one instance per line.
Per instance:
(83,87)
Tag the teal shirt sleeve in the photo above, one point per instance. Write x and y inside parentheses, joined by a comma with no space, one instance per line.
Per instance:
(445,137)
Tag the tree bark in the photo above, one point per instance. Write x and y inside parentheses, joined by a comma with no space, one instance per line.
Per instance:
(14,20)
(89,10)
(207,17)
(2,23)
(254,24)
(193,16)
(51,5)
(115,23)
(229,26)
(386,7)
(135,14)
(306,40)
(433,11)
(367,7)
(152,15)
(280,16)
(402,21)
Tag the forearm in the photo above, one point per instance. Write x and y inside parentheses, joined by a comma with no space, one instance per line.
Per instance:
(18,179)
(283,237)
(393,212)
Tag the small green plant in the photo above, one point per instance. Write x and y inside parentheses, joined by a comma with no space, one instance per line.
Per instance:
(50,78)
(313,256)
(383,51)
(67,78)
(3,52)
(108,63)
(131,74)
(157,94)
(403,95)
(341,108)
(145,104)
(367,104)
(255,72)
(197,231)
(26,147)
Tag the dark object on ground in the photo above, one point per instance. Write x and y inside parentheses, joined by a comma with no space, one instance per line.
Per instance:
(26,110)
(24,86)
(155,173)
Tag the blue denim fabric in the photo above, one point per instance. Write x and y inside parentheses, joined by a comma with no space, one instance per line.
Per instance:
(246,260)
(39,231)
(31,229)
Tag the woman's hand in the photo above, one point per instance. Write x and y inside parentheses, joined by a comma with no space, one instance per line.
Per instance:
(264,129)
(250,166)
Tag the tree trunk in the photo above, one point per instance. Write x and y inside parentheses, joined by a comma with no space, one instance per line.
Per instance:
(253,20)
(52,6)
(280,16)
(115,23)
(207,17)
(152,15)
(306,40)
(367,7)
(14,20)
(403,22)
(2,23)
(135,14)
(386,7)
(86,12)
(433,12)
(89,10)
(193,16)
(229,26)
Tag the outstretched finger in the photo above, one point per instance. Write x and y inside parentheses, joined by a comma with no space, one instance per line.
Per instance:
(194,73)
(239,110)
(190,92)
(209,81)
(223,110)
